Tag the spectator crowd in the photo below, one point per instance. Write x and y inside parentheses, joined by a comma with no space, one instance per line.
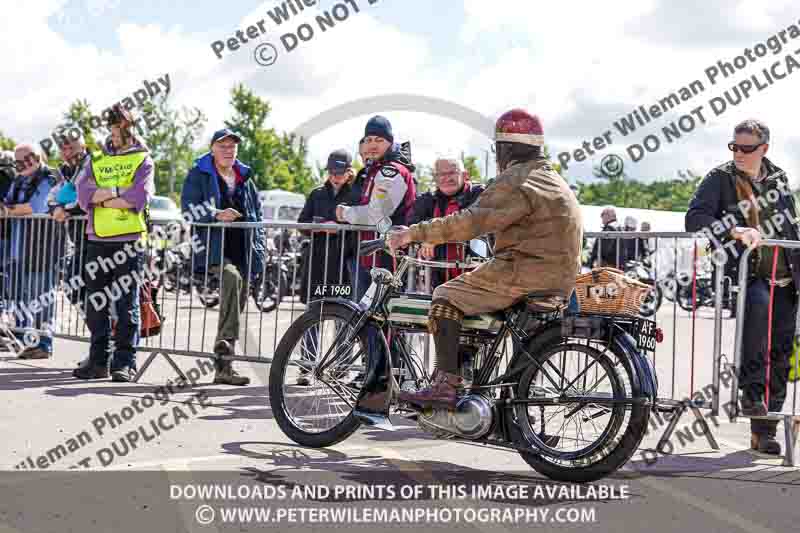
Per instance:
(89,220)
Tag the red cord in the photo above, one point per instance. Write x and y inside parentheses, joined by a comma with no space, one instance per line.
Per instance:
(694,313)
(769,322)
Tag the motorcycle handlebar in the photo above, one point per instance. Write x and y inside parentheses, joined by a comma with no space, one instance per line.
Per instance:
(370,247)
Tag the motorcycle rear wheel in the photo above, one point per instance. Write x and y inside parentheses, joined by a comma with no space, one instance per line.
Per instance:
(615,444)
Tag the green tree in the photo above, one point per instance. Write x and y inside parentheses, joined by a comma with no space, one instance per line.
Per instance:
(79,116)
(472,168)
(424,175)
(6,143)
(171,137)
(555,164)
(277,160)
(664,194)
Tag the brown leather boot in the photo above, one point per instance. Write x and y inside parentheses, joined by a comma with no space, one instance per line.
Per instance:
(443,392)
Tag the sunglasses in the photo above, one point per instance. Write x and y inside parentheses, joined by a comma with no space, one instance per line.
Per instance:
(22,164)
(744,148)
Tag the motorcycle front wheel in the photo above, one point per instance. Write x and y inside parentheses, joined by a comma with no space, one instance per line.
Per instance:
(314,407)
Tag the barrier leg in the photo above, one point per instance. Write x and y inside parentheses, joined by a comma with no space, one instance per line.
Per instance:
(791,428)
(706,429)
(150,359)
(144,367)
(673,423)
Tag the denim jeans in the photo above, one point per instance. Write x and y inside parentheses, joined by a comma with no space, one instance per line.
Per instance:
(109,288)
(359,277)
(35,287)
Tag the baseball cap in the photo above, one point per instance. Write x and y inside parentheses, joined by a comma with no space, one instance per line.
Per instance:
(223,134)
(339,161)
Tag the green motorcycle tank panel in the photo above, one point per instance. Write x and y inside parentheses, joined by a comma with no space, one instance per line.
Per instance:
(411,310)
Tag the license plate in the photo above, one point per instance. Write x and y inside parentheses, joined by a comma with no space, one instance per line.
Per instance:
(331,291)
(645,335)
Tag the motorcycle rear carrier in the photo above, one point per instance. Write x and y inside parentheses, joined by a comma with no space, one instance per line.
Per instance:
(584,327)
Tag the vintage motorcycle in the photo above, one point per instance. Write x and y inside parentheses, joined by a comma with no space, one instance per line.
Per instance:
(573,397)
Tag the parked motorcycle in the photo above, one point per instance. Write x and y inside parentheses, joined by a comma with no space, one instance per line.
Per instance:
(643,271)
(174,265)
(704,291)
(267,289)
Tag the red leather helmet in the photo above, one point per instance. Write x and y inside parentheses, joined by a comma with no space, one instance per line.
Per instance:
(519,126)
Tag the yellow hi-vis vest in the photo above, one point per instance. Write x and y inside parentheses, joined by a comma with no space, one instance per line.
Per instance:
(117,171)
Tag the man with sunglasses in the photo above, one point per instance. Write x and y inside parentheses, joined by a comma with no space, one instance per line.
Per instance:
(754,192)
(32,249)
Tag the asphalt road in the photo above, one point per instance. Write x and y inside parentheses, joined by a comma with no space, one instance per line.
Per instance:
(226,435)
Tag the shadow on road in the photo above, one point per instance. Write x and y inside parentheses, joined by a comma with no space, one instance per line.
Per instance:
(295,466)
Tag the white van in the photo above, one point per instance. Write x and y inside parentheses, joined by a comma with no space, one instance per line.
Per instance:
(281,206)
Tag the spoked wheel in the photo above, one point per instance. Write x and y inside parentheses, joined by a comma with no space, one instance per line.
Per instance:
(313,396)
(267,295)
(580,421)
(208,297)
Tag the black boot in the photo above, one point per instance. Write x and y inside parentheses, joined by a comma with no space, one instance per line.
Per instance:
(91,371)
(753,402)
(446,336)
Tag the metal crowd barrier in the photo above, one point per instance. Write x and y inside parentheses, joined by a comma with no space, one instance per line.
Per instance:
(791,421)
(188,294)
(680,265)
(273,298)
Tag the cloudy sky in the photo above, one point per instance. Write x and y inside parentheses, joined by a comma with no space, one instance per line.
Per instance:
(579,65)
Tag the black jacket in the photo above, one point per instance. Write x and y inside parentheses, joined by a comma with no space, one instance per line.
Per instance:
(609,252)
(321,204)
(714,209)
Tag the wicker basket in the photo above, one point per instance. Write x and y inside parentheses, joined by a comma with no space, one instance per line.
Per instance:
(610,292)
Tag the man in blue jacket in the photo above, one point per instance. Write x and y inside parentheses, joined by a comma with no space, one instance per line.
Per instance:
(218,179)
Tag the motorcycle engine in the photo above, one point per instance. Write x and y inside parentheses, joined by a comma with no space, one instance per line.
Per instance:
(472,418)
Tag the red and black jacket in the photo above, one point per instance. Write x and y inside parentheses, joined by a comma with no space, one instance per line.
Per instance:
(399,162)
(436,204)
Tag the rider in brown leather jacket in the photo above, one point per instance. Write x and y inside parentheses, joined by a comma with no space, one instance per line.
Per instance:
(537,223)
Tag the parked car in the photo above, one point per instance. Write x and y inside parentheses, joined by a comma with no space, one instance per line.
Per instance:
(281,206)
(164,211)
